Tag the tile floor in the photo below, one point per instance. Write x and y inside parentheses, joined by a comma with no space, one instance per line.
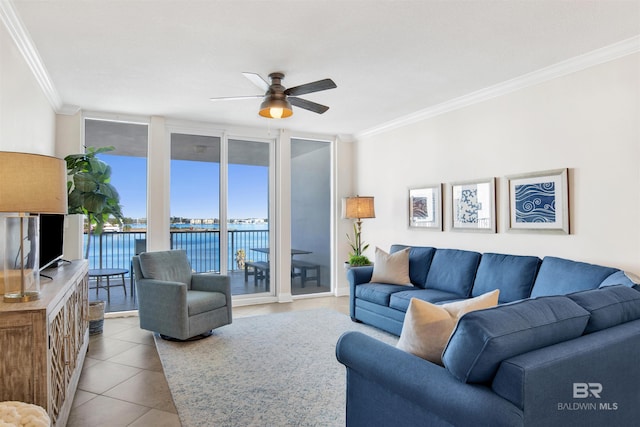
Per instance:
(122,382)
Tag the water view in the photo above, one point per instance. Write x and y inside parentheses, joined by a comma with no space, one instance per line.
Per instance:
(202,243)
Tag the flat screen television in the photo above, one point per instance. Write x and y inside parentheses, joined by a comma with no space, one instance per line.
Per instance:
(51,239)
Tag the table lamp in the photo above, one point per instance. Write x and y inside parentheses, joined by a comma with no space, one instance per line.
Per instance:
(29,184)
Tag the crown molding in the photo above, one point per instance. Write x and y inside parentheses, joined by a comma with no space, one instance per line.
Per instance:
(25,45)
(572,65)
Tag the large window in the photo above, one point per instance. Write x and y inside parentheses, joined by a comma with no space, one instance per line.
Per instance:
(114,248)
(310,216)
(195,199)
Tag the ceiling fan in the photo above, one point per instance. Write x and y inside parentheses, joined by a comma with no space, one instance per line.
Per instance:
(278,99)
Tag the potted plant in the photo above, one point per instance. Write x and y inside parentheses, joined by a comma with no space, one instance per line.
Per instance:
(356,257)
(90,191)
(91,194)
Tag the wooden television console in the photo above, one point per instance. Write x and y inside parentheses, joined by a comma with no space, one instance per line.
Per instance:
(43,343)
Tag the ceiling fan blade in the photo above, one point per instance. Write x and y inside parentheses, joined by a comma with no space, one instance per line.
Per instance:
(257,80)
(308,105)
(311,87)
(236,98)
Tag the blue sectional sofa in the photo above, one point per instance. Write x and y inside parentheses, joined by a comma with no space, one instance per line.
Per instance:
(445,275)
(560,349)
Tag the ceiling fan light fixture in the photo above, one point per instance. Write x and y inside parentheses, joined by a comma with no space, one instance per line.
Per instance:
(275,108)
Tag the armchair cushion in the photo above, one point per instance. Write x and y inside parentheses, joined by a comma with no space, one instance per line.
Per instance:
(201,301)
(169,266)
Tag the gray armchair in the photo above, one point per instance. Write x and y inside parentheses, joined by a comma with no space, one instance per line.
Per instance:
(175,302)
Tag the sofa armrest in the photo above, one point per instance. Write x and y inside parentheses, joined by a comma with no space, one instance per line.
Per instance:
(357,276)
(402,389)
(543,381)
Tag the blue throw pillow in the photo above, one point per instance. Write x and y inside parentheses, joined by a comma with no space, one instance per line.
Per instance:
(483,339)
(609,306)
(621,278)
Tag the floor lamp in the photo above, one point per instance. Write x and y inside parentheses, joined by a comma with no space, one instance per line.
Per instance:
(29,184)
(357,208)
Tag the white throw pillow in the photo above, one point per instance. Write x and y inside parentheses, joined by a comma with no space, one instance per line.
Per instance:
(427,327)
(391,268)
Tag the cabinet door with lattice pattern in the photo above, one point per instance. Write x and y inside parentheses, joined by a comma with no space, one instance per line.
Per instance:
(57,344)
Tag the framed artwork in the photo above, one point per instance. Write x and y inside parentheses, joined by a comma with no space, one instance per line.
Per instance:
(425,207)
(539,201)
(473,205)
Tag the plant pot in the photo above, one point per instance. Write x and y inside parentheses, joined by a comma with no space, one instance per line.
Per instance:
(347,266)
(96,317)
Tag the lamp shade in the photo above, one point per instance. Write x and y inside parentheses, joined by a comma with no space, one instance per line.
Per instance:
(275,107)
(32,183)
(358,207)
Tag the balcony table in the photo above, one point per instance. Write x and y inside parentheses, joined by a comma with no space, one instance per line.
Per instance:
(100,273)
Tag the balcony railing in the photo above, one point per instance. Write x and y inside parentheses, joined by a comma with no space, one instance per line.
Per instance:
(114,250)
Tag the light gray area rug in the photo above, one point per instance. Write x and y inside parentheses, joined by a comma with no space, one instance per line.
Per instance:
(271,370)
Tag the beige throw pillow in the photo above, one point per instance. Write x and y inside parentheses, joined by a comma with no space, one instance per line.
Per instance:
(427,327)
(391,268)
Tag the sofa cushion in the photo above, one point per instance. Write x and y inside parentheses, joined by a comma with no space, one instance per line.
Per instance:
(400,300)
(512,274)
(170,266)
(558,276)
(609,306)
(621,278)
(391,268)
(379,293)
(420,258)
(483,339)
(427,327)
(453,270)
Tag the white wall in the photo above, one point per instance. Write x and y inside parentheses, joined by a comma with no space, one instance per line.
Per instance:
(588,121)
(27,121)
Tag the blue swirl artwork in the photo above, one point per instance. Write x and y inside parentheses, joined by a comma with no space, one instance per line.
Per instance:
(536,202)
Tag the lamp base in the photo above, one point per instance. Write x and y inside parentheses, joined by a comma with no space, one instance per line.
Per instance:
(21,297)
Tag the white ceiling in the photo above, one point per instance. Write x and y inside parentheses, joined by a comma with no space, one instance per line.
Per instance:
(389,58)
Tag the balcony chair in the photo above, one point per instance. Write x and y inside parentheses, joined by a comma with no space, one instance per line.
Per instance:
(176,303)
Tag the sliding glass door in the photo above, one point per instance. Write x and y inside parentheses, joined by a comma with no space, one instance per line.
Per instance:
(220,207)
(248,224)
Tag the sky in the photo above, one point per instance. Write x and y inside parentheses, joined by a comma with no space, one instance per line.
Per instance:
(194,188)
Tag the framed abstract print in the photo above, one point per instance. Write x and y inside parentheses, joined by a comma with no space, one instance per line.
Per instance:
(473,205)
(539,201)
(425,207)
